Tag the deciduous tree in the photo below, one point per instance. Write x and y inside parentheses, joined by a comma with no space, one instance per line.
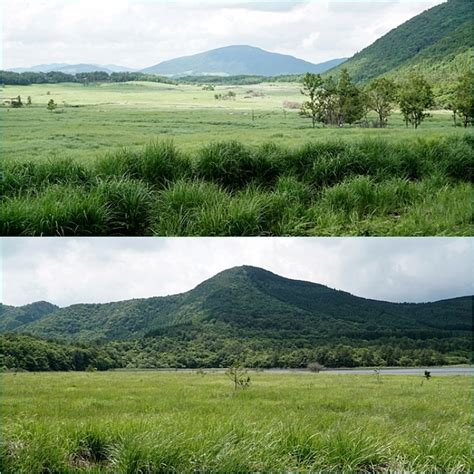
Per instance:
(312,88)
(463,98)
(381,95)
(415,97)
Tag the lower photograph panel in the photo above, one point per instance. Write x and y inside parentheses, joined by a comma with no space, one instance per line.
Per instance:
(236,355)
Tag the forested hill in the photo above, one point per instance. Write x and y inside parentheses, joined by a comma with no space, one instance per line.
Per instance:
(439,42)
(245,300)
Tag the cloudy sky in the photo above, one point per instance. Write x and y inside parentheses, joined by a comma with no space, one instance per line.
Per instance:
(140,33)
(66,270)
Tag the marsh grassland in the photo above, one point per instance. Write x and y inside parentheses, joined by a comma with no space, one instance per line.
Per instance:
(161,159)
(196,422)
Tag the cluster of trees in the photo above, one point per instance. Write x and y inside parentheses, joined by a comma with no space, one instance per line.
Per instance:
(332,102)
(338,102)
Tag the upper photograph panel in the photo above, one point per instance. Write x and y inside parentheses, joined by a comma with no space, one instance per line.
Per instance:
(237,118)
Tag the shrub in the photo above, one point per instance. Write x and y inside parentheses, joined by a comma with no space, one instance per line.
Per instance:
(315,367)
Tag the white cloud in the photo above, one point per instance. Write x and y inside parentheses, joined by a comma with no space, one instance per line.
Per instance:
(67,270)
(140,33)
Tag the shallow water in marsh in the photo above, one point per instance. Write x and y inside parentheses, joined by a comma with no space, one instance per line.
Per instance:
(399,371)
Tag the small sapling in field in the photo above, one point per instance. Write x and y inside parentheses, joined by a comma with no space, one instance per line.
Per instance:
(51,105)
(239,376)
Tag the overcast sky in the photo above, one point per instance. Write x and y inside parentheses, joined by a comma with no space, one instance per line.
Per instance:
(87,270)
(140,33)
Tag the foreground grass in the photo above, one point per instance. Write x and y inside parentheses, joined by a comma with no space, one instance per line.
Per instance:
(364,187)
(174,422)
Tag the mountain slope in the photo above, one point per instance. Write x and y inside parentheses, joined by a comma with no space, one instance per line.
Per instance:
(247,301)
(439,39)
(238,60)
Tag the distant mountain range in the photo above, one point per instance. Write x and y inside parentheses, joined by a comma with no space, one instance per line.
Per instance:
(239,60)
(439,42)
(249,301)
(227,61)
(73,68)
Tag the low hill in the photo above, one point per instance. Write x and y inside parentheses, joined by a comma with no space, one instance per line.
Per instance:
(439,42)
(238,60)
(248,300)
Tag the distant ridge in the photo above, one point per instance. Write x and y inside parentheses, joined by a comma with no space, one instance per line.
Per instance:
(73,68)
(239,60)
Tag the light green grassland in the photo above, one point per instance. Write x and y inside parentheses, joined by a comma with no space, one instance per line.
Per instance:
(100,118)
(159,159)
(175,422)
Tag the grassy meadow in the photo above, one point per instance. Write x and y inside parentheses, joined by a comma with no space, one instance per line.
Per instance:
(101,118)
(160,159)
(185,421)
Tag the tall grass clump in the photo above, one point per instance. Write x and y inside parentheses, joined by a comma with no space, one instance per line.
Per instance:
(91,447)
(200,208)
(59,210)
(457,160)
(300,162)
(128,203)
(254,213)
(158,163)
(293,190)
(363,196)
(233,165)
(29,176)
(270,162)
(189,208)
(161,162)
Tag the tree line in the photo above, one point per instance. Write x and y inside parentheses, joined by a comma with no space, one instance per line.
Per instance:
(10,78)
(31,353)
(341,101)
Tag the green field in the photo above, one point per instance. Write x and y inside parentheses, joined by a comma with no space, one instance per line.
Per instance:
(184,421)
(160,159)
(101,118)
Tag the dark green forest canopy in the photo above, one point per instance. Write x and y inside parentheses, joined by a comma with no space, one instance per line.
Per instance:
(245,314)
